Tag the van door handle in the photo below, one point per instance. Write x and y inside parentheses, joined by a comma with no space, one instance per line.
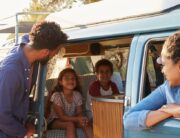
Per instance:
(127,101)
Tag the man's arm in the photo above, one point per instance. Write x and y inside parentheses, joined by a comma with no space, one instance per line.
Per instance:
(9,84)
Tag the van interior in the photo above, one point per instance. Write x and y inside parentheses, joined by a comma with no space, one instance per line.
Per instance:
(82,58)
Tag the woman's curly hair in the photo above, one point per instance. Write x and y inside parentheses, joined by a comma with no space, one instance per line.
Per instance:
(172,47)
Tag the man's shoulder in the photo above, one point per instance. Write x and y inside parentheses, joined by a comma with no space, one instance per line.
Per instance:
(8,70)
(9,65)
(11,61)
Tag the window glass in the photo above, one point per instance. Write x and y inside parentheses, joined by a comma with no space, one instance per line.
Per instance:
(82,65)
(153,77)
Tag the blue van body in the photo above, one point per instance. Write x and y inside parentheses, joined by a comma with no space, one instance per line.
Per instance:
(142,29)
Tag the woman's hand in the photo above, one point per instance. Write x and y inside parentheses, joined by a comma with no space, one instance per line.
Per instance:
(173,109)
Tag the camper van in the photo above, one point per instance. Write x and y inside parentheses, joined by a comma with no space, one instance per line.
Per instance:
(128,33)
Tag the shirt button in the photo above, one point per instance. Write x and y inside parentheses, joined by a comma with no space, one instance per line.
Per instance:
(27,78)
(29,69)
(25,69)
(26,90)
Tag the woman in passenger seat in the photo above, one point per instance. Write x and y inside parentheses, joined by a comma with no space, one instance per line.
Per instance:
(164,102)
(103,86)
(66,108)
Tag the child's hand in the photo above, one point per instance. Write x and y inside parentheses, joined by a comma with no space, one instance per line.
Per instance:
(30,129)
(83,121)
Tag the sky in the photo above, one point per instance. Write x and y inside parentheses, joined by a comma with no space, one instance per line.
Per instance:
(10,8)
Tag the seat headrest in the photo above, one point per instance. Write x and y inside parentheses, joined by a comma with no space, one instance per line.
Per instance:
(116,78)
(50,84)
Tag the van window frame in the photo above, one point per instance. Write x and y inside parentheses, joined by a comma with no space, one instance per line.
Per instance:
(169,127)
(144,65)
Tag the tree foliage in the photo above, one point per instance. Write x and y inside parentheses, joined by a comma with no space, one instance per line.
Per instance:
(35,6)
(47,6)
(50,6)
(61,4)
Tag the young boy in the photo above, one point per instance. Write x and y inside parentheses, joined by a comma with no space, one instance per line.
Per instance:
(103,86)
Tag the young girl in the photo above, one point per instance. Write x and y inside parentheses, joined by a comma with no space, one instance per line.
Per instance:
(66,108)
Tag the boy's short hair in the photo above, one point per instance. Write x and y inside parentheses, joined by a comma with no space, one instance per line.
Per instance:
(46,35)
(103,62)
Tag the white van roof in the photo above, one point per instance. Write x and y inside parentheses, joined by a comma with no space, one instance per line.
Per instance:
(109,10)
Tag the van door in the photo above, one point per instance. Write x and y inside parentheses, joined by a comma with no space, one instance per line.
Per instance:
(143,77)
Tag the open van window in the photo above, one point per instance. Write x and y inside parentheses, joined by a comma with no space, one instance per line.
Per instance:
(152,77)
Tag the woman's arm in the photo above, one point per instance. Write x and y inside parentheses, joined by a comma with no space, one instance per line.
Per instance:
(173,109)
(164,112)
(154,117)
(144,114)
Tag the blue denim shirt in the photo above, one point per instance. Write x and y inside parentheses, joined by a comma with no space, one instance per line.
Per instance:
(14,94)
(135,118)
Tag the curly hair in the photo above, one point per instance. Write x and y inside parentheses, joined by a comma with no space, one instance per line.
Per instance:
(103,62)
(172,47)
(46,35)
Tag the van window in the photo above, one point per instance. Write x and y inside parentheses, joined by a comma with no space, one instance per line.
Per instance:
(152,75)
(82,65)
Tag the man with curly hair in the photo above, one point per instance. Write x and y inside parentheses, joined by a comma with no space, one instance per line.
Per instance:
(16,69)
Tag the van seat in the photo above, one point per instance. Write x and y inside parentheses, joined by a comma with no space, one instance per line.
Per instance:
(85,81)
(60,133)
(116,78)
(50,84)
